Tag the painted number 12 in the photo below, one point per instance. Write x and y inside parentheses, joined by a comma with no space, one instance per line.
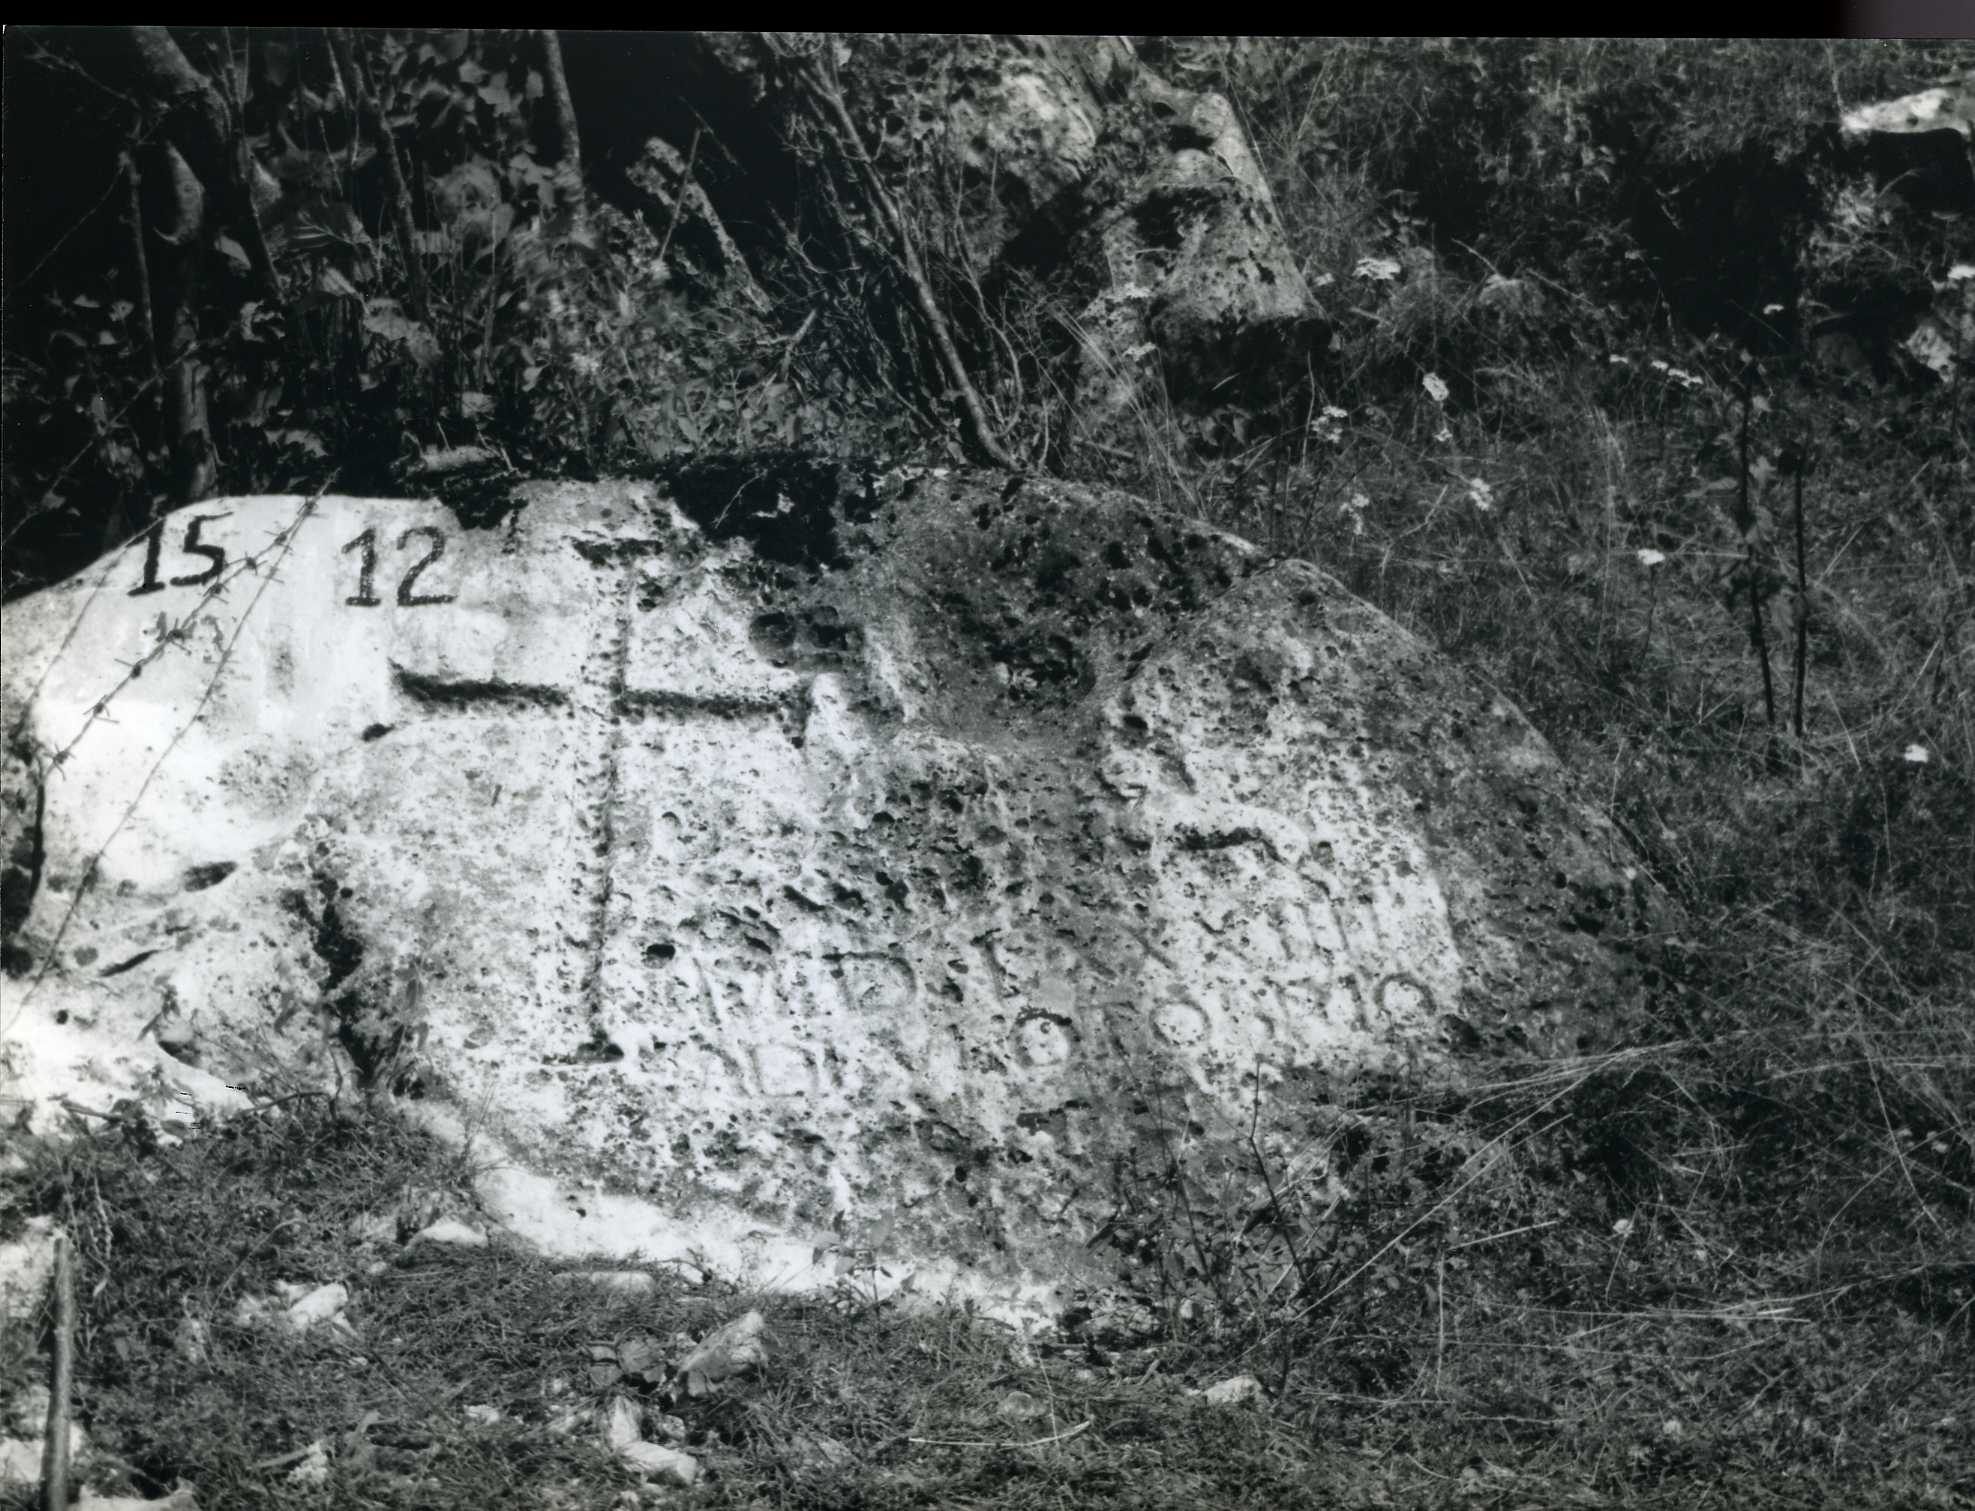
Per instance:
(365,545)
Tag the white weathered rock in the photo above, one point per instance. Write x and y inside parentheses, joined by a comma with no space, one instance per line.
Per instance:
(670,1466)
(27,1264)
(797,868)
(27,1411)
(450,1233)
(1922,145)
(1946,107)
(728,1353)
(298,1308)
(22,1457)
(183,1498)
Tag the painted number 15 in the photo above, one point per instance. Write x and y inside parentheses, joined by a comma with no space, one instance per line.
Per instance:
(154,546)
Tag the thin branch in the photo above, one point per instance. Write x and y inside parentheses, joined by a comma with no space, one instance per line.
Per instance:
(1057,1437)
(141,265)
(1758,634)
(834,118)
(1803,607)
(16,286)
(355,70)
(569,149)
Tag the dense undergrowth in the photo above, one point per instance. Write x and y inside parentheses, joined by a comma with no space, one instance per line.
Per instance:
(1591,414)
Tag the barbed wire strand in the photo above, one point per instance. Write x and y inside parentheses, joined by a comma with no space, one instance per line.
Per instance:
(284,539)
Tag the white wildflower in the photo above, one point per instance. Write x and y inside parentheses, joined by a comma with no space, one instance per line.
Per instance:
(1328,426)
(1435,386)
(1377,269)
(1353,509)
(1649,558)
(1481,494)
(1918,755)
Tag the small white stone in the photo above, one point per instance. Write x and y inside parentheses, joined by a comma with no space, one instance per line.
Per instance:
(25,1267)
(451,1233)
(192,1340)
(666,1427)
(27,1413)
(621,1427)
(817,1450)
(373,1227)
(181,1499)
(1233,1391)
(324,1304)
(20,1461)
(624,1282)
(665,1464)
(725,1354)
(1019,1405)
(314,1467)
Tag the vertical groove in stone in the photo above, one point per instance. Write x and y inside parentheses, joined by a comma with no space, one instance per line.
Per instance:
(601,696)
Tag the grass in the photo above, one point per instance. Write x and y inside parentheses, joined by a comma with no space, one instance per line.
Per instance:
(1611,1283)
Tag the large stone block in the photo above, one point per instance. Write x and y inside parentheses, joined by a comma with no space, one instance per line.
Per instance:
(785,865)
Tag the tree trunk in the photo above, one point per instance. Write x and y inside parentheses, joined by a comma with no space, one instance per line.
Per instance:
(194,118)
(568,144)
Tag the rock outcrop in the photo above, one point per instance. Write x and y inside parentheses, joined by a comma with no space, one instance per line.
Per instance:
(1056,158)
(831,864)
(1921,145)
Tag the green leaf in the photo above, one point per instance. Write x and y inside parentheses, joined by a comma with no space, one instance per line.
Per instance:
(299,440)
(232,251)
(383,317)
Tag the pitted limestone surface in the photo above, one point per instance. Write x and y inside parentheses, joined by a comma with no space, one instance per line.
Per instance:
(881,894)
